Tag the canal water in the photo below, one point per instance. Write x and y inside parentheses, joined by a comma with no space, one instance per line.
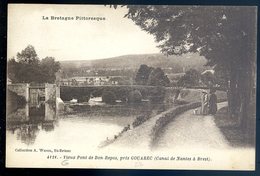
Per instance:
(87,125)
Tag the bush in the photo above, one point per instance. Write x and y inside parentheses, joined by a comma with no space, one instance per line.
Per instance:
(135,96)
(109,97)
(83,99)
(97,93)
(122,94)
(139,120)
(157,95)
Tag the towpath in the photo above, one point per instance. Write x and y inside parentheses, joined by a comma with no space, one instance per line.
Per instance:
(186,130)
(193,131)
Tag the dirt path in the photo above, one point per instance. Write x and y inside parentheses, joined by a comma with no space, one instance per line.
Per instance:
(193,131)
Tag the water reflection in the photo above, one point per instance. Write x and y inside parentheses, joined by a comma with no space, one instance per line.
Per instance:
(26,133)
(39,124)
(25,123)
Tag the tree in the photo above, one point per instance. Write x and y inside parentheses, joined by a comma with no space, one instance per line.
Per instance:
(28,73)
(225,36)
(143,74)
(28,68)
(191,78)
(49,67)
(28,55)
(12,71)
(158,78)
(151,76)
(135,96)
(109,97)
(208,78)
(221,77)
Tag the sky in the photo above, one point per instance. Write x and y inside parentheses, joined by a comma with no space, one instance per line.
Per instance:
(75,39)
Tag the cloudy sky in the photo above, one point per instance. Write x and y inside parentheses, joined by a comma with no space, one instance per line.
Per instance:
(75,39)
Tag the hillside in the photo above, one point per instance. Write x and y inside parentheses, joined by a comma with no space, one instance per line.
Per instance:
(134,61)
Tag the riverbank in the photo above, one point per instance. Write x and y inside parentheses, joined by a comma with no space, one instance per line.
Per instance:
(148,133)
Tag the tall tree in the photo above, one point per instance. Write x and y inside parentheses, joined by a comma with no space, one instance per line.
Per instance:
(191,78)
(28,55)
(143,74)
(28,68)
(158,78)
(225,35)
(49,67)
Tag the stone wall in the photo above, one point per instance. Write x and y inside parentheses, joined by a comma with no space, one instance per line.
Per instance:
(50,93)
(167,117)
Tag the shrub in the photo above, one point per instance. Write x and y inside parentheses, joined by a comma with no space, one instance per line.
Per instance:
(135,96)
(157,95)
(139,120)
(122,94)
(83,98)
(109,97)
(97,93)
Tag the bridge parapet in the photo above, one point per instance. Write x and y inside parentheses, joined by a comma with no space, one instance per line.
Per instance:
(51,91)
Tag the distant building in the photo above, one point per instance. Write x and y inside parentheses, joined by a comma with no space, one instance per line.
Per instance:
(93,80)
(117,80)
(97,80)
(68,82)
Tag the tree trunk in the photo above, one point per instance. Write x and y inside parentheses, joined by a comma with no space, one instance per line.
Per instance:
(233,98)
(245,92)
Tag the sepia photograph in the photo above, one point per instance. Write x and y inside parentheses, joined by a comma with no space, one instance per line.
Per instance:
(131,87)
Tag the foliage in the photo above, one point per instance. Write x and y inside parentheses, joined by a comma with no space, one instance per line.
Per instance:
(154,93)
(28,68)
(79,93)
(208,78)
(140,119)
(208,30)
(109,97)
(28,56)
(49,67)
(221,76)
(142,74)
(191,78)
(157,95)
(135,96)
(12,67)
(83,98)
(151,76)
(225,35)
(158,78)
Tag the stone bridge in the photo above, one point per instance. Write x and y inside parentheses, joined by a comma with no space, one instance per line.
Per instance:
(121,91)
(30,96)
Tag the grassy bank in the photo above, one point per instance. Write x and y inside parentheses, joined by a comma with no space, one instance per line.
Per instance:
(233,132)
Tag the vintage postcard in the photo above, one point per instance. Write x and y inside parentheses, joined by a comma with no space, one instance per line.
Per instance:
(131,86)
